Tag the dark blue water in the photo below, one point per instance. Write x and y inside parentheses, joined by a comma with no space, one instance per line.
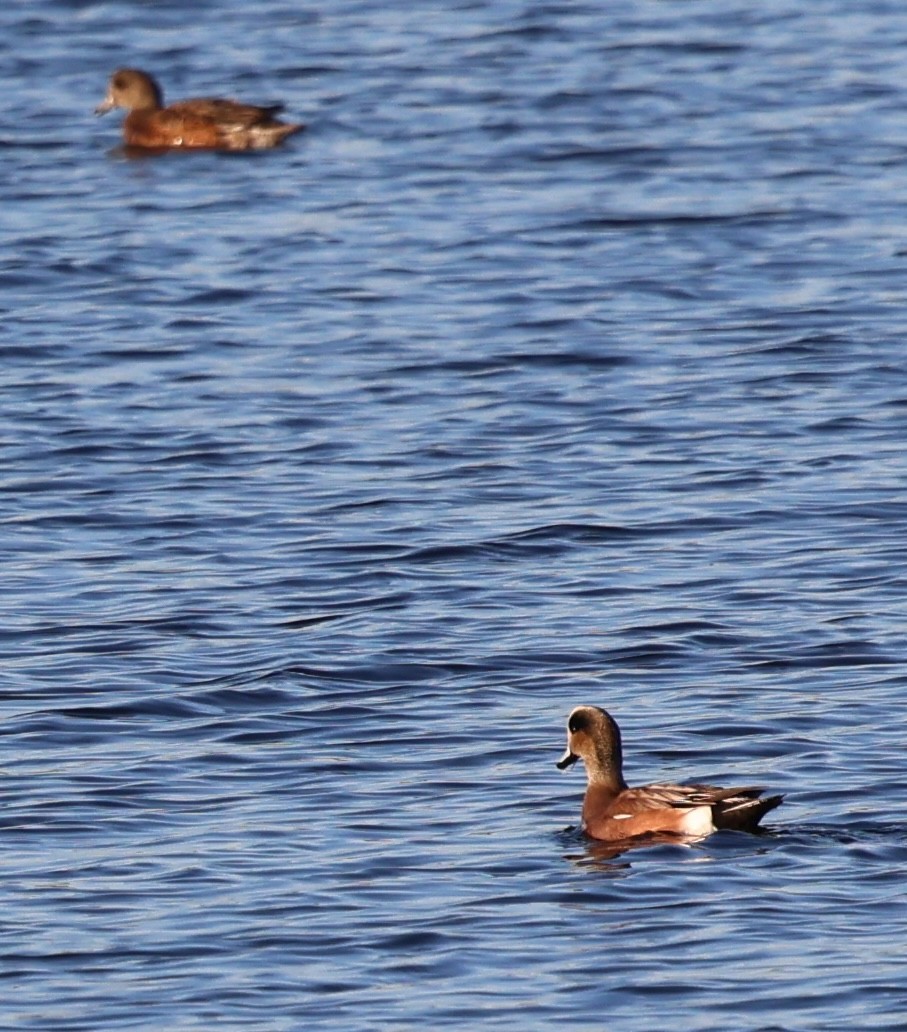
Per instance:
(561,360)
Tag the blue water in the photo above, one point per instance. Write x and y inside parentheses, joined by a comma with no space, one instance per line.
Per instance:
(561,360)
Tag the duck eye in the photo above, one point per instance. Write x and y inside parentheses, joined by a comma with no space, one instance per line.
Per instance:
(577,722)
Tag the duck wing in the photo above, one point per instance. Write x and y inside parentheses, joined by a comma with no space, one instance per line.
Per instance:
(227,113)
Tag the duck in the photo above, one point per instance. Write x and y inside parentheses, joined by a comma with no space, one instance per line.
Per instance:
(614,812)
(203,123)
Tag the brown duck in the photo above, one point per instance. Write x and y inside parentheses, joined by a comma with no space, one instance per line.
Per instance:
(612,811)
(203,123)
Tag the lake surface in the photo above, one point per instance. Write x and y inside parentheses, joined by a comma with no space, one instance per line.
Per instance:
(563,359)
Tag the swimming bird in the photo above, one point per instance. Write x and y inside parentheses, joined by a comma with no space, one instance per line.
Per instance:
(203,123)
(612,811)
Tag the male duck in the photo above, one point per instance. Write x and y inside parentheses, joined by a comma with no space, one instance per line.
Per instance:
(205,122)
(613,812)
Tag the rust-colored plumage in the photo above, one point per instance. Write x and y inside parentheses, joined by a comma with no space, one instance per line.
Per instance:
(612,811)
(203,123)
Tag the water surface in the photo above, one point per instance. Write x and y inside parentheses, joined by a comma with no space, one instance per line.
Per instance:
(560,360)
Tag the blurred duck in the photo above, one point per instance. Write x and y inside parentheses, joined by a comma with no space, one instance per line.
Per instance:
(203,123)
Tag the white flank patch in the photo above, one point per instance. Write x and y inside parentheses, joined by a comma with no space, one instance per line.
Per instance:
(698,821)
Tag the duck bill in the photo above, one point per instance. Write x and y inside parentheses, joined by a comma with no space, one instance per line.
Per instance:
(567,760)
(107,104)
